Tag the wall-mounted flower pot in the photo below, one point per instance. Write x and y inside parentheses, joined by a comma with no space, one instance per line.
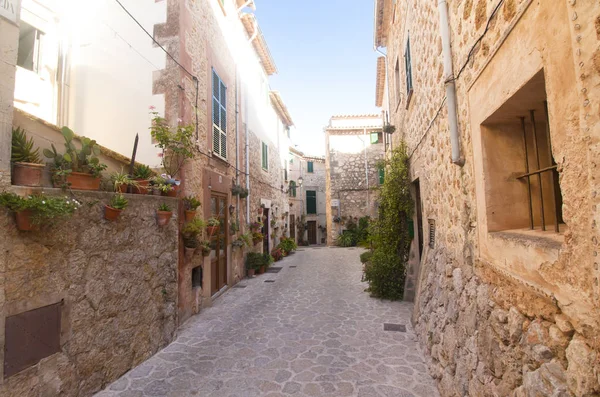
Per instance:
(173,192)
(27,174)
(110,213)
(211,230)
(163,217)
(142,186)
(83,181)
(189,215)
(23,220)
(206,251)
(256,240)
(251,272)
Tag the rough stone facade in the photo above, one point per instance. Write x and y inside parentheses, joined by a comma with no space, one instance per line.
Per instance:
(353,164)
(509,312)
(117,282)
(8,47)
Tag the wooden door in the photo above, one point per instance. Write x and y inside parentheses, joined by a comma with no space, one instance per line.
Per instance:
(218,243)
(312,232)
(293,227)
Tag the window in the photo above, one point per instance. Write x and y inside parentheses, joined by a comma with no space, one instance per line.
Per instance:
(310,167)
(408,68)
(30,40)
(285,171)
(397,79)
(265,156)
(292,189)
(219,111)
(374,138)
(311,202)
(381,172)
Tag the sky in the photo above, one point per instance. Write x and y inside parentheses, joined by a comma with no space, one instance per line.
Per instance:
(326,65)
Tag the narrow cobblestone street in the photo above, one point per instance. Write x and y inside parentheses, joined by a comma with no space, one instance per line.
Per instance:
(311,332)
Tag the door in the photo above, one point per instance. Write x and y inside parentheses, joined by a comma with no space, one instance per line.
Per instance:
(312,232)
(218,243)
(419,217)
(293,227)
(265,231)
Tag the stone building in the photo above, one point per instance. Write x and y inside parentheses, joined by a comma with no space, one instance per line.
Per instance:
(306,189)
(498,102)
(354,153)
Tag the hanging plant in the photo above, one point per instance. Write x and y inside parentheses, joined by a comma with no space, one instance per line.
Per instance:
(389,128)
(244,193)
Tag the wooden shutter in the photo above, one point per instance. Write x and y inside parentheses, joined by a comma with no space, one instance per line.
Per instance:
(219,115)
(311,167)
(311,202)
(265,156)
(408,67)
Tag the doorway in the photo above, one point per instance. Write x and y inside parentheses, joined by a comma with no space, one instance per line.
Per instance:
(265,231)
(293,227)
(218,242)
(312,232)
(419,217)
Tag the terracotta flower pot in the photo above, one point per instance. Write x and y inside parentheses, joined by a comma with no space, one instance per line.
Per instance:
(251,272)
(211,230)
(122,189)
(189,215)
(27,174)
(173,192)
(23,220)
(262,269)
(110,213)
(206,251)
(142,187)
(189,252)
(163,217)
(83,181)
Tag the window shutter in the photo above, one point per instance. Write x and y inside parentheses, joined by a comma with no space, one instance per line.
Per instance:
(265,156)
(311,167)
(374,138)
(311,202)
(219,115)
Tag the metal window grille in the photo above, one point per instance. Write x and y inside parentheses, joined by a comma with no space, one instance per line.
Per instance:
(219,115)
(431,233)
(408,67)
(557,202)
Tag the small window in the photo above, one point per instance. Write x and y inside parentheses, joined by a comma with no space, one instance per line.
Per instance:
(310,166)
(408,68)
(285,171)
(219,114)
(292,189)
(381,172)
(265,156)
(30,42)
(397,80)
(311,202)
(374,138)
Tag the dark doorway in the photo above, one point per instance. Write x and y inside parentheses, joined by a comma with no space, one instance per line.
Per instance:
(312,232)
(417,186)
(218,242)
(266,230)
(293,227)
(197,277)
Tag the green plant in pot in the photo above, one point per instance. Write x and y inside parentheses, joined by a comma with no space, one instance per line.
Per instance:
(205,247)
(25,157)
(257,237)
(33,211)
(254,261)
(164,214)
(212,226)
(190,233)
(247,239)
(190,204)
(244,193)
(121,181)
(142,174)
(118,203)
(76,168)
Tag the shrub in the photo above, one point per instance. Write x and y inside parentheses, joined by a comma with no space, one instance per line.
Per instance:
(288,245)
(254,260)
(44,209)
(277,254)
(346,239)
(366,256)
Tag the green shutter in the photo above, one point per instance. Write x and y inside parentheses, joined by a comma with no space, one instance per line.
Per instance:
(311,167)
(265,156)
(374,138)
(292,188)
(381,175)
(311,202)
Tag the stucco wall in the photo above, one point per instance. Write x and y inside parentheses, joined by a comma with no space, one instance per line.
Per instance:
(118,284)
(503,313)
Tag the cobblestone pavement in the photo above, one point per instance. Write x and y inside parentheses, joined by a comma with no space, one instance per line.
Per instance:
(313,332)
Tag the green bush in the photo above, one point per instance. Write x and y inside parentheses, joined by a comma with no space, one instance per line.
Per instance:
(287,245)
(386,270)
(366,256)
(346,239)
(254,260)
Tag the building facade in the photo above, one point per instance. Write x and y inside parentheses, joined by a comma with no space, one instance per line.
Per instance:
(501,124)
(354,154)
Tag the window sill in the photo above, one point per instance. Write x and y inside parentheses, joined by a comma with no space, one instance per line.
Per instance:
(544,240)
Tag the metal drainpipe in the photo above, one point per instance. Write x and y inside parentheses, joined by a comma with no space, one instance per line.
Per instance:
(449,82)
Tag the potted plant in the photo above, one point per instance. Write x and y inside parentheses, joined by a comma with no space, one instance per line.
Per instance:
(118,203)
(237,243)
(176,143)
(244,193)
(256,226)
(273,223)
(205,248)
(389,128)
(212,226)
(236,190)
(33,211)
(190,204)
(163,215)
(234,227)
(190,233)
(253,263)
(257,237)
(77,168)
(267,261)
(247,239)
(277,254)
(142,174)
(121,181)
(27,165)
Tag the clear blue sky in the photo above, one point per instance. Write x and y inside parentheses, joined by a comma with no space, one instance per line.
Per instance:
(324,54)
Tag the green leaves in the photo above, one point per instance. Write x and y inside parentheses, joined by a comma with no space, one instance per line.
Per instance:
(23,149)
(68,134)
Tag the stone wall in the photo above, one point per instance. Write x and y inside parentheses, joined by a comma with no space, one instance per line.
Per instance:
(117,282)
(503,313)
(8,47)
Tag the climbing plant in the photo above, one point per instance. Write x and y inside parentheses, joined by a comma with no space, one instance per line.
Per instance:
(385,270)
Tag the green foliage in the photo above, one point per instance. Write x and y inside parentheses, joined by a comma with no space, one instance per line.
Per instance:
(122,178)
(44,209)
(177,143)
(255,260)
(213,222)
(142,171)
(288,245)
(164,207)
(386,270)
(118,202)
(193,228)
(366,256)
(247,239)
(22,148)
(268,259)
(277,254)
(355,234)
(191,203)
(77,160)
(346,239)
